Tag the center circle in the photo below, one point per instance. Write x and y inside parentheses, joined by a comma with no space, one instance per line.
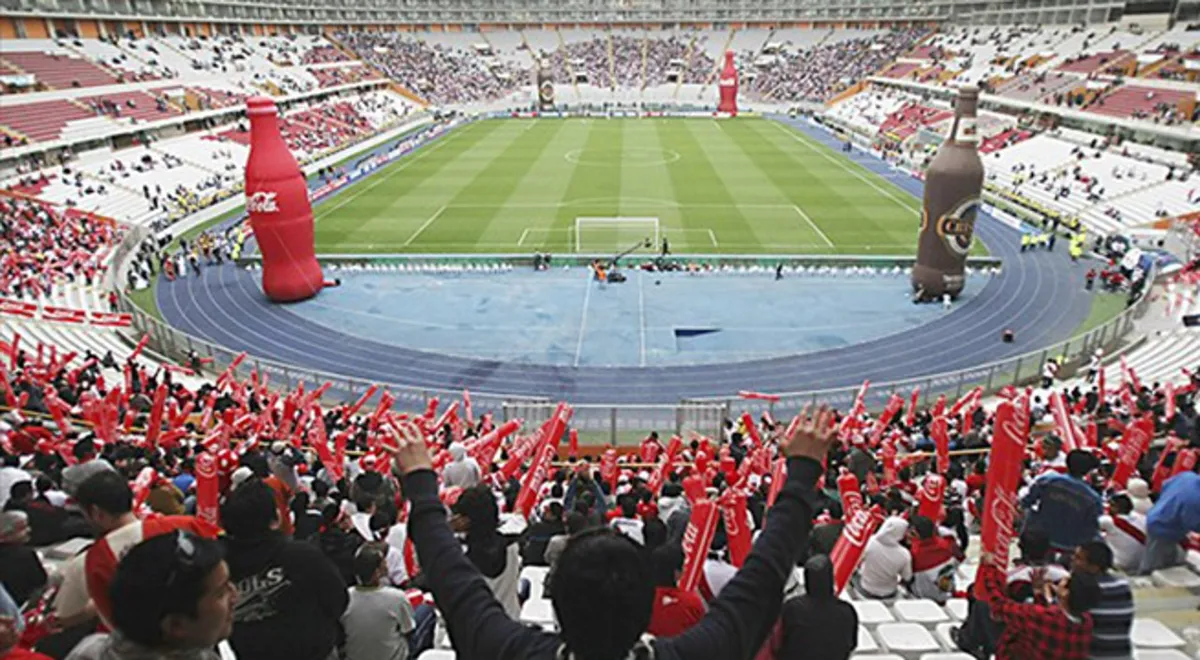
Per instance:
(635,157)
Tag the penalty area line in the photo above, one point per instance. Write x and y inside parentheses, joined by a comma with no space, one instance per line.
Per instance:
(424,226)
(813,225)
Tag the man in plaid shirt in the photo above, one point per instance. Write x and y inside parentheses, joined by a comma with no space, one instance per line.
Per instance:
(1060,631)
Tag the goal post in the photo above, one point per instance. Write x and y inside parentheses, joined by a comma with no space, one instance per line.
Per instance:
(617,234)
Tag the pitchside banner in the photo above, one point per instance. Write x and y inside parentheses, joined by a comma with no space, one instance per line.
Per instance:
(545,89)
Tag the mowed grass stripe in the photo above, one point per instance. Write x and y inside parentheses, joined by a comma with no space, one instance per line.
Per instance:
(534,206)
(707,203)
(471,211)
(646,181)
(849,212)
(774,221)
(480,188)
(594,188)
(844,181)
(384,216)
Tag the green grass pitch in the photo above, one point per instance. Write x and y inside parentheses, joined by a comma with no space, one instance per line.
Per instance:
(743,186)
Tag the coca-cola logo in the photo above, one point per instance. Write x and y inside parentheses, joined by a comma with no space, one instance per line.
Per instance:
(858,529)
(728,82)
(1002,513)
(733,526)
(262,201)
(852,501)
(206,466)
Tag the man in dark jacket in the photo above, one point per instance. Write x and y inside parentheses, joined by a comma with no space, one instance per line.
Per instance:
(538,535)
(818,625)
(290,597)
(603,591)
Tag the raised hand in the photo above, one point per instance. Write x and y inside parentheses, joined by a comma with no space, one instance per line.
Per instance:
(813,436)
(408,449)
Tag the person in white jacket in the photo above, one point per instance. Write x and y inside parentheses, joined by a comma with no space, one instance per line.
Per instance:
(462,471)
(886,562)
(1125,532)
(1139,494)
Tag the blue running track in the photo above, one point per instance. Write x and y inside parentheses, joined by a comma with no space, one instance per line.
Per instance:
(1039,295)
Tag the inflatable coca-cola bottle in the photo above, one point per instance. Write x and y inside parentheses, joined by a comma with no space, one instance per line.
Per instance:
(728,84)
(953,184)
(277,201)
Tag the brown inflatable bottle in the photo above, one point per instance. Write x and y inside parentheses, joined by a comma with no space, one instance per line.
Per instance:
(953,184)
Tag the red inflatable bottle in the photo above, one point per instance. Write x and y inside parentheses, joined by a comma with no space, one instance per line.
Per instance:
(728,84)
(277,201)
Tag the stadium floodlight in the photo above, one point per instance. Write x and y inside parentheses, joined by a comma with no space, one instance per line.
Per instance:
(602,235)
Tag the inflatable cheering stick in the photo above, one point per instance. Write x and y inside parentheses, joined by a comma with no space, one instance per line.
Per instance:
(277,201)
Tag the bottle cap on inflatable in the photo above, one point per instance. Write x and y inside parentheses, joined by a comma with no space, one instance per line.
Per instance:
(277,202)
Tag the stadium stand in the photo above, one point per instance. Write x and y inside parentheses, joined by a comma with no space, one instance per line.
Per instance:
(58,257)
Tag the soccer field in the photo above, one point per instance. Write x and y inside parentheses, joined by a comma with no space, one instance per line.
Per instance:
(746,186)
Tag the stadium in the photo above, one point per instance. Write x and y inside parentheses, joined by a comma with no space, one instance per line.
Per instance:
(696,329)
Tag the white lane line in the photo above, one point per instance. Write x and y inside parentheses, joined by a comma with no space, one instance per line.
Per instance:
(813,225)
(422,228)
(587,297)
(402,165)
(521,241)
(642,320)
(712,236)
(804,141)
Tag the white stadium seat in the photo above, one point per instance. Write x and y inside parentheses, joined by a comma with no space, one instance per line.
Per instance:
(866,642)
(1177,576)
(872,612)
(957,608)
(919,611)
(910,640)
(1152,634)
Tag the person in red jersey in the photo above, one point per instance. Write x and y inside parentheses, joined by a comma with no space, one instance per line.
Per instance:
(935,559)
(1061,630)
(674,610)
(107,502)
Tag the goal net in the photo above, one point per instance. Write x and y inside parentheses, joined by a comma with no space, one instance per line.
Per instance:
(616,234)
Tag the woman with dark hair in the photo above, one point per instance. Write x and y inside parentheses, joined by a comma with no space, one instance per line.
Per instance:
(497,557)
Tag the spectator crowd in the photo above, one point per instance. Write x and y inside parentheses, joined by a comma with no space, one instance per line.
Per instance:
(288,528)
